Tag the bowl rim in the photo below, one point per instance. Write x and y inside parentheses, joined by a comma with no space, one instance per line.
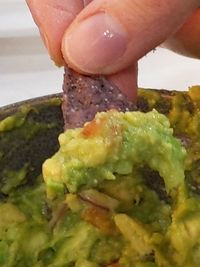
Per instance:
(14,107)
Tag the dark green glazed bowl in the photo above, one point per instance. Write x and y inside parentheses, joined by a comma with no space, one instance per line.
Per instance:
(29,132)
(28,135)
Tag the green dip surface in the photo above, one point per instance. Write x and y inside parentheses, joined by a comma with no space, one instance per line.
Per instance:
(119,192)
(116,143)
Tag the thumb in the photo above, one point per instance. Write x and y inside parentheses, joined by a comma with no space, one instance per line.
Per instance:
(108,36)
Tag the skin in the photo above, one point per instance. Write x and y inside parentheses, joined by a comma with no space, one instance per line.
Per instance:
(109,37)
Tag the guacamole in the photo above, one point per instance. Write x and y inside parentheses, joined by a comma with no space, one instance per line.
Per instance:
(119,192)
(115,143)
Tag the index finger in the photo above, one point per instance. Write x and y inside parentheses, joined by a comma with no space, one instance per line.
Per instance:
(52,18)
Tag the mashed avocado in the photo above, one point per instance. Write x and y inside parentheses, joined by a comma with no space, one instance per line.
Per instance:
(120,191)
(115,143)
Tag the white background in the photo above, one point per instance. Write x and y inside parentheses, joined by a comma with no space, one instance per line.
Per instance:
(26,70)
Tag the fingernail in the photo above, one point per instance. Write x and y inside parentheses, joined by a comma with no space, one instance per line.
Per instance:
(95,44)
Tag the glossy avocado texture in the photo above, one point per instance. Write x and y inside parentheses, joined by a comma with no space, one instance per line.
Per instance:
(131,220)
(115,143)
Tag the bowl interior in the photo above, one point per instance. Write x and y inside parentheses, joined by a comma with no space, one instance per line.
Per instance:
(28,135)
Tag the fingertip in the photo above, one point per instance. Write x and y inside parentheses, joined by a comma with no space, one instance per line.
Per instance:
(126,81)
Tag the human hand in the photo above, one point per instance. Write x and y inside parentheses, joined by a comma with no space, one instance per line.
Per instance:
(109,36)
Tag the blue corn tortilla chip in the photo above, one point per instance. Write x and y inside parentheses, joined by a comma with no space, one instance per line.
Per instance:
(84,96)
